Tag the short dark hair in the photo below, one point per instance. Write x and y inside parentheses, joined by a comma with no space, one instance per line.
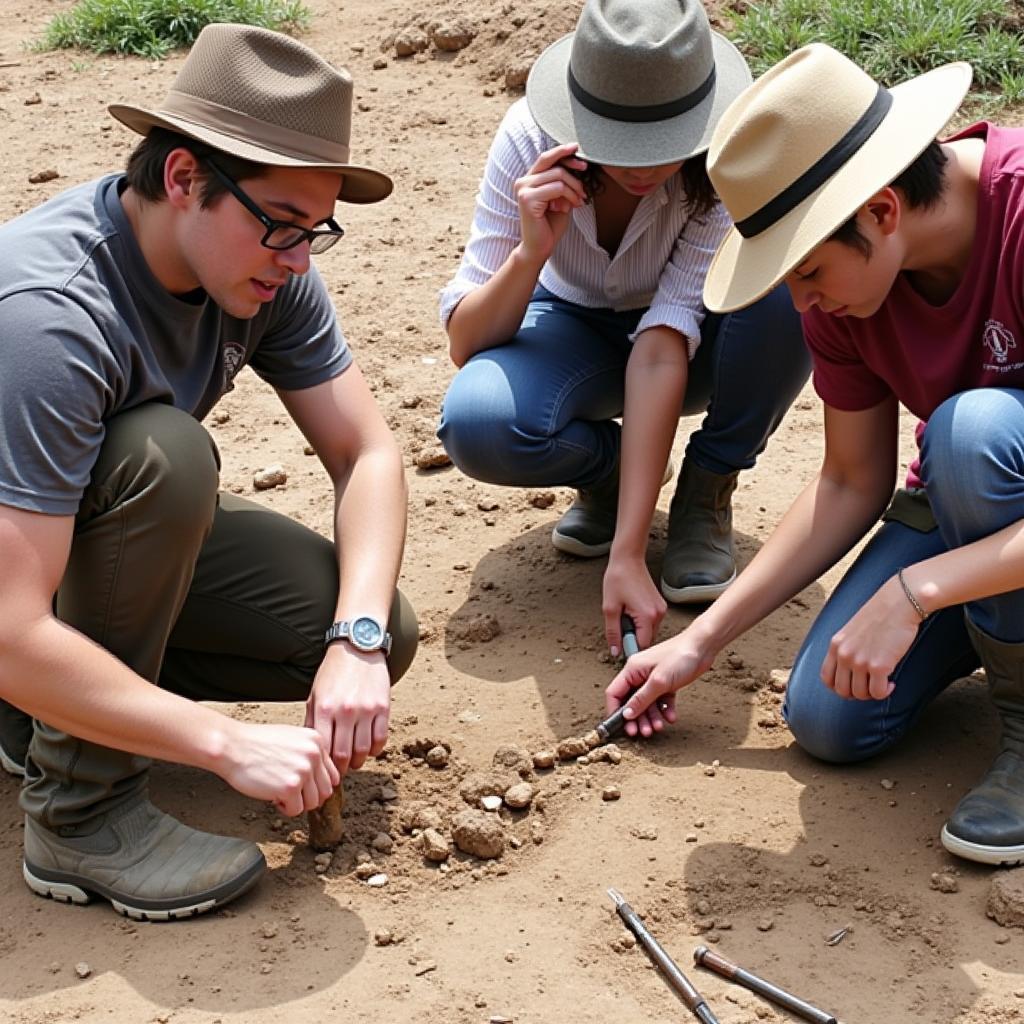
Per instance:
(922,185)
(145,168)
(700,193)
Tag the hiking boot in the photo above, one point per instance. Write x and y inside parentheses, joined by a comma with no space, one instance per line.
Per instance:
(699,563)
(588,526)
(15,736)
(987,825)
(149,866)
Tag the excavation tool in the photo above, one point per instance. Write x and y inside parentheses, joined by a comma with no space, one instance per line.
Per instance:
(713,961)
(673,975)
(616,722)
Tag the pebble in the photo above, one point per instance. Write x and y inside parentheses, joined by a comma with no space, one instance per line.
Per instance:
(887,784)
(944,882)
(592,739)
(387,794)
(83,970)
(541,499)
(377,881)
(437,757)
(735,661)
(778,680)
(519,796)
(434,846)
(570,748)
(433,458)
(425,968)
(491,802)
(1005,903)
(818,860)
(479,834)
(380,64)
(710,771)
(611,793)
(365,870)
(271,476)
(382,842)
(543,760)
(766,924)
(691,837)
(41,177)
(383,937)
(321,862)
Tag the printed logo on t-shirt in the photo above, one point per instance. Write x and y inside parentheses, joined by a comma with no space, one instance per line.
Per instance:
(234,356)
(1000,342)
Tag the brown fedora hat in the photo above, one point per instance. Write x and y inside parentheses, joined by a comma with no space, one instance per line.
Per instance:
(802,149)
(637,84)
(264,97)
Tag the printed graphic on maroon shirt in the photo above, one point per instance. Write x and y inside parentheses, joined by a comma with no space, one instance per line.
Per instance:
(1002,348)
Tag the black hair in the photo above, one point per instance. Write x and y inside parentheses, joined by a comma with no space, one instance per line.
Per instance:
(145,168)
(922,185)
(700,193)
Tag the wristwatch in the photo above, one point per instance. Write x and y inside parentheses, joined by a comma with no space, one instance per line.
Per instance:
(364,633)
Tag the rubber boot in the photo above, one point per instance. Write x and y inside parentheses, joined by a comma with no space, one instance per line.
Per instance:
(90,830)
(588,526)
(988,823)
(15,736)
(699,563)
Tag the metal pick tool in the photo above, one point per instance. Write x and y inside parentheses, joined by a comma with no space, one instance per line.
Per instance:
(615,723)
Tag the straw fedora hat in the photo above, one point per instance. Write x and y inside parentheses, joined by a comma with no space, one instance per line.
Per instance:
(802,149)
(637,84)
(265,97)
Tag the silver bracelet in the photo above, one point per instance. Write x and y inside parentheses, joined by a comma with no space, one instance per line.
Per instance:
(910,596)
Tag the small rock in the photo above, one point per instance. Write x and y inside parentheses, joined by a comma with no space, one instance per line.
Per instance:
(517,72)
(490,803)
(322,861)
(365,870)
(519,796)
(710,771)
(481,784)
(592,739)
(40,177)
(453,34)
(433,458)
(488,505)
(778,680)
(434,846)
(691,837)
(611,793)
(536,832)
(702,907)
(377,881)
(887,784)
(83,970)
(571,748)
(514,758)
(818,860)
(734,661)
(387,794)
(477,629)
(382,842)
(541,499)
(543,759)
(479,834)
(766,924)
(272,476)
(380,64)
(410,40)
(943,881)
(437,757)
(1005,903)
(383,937)
(425,968)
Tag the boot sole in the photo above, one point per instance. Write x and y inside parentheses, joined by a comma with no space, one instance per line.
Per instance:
(68,888)
(572,546)
(11,766)
(699,594)
(998,856)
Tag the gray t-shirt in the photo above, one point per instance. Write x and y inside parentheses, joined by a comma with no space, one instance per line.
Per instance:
(87,331)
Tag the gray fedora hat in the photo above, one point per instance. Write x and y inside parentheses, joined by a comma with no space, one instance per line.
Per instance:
(639,83)
(264,97)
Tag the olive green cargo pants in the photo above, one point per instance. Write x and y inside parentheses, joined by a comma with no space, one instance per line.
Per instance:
(209,595)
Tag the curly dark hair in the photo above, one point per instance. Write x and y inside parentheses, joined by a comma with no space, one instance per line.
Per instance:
(700,193)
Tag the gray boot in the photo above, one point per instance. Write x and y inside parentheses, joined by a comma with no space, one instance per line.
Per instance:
(588,526)
(988,823)
(91,831)
(15,736)
(699,563)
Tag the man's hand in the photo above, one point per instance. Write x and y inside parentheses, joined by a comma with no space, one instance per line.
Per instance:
(648,683)
(350,705)
(628,588)
(864,653)
(285,764)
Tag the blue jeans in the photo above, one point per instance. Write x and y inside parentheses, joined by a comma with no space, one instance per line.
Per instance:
(539,410)
(972,464)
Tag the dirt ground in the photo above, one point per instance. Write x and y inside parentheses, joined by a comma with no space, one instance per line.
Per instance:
(824,880)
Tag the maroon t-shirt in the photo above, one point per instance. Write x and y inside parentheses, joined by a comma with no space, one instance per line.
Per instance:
(922,353)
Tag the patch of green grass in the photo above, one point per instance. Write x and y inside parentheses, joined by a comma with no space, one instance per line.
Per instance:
(893,39)
(152,28)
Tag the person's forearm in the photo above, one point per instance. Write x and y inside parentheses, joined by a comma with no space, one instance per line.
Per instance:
(656,376)
(370,531)
(991,565)
(821,526)
(491,314)
(56,674)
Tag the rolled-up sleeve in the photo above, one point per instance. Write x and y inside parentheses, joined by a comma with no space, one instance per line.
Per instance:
(495,231)
(678,302)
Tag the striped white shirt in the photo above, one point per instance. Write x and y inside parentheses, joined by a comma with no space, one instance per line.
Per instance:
(660,264)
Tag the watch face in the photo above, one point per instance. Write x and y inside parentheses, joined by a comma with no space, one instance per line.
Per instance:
(366,633)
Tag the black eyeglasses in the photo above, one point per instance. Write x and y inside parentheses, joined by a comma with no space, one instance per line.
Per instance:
(280,234)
